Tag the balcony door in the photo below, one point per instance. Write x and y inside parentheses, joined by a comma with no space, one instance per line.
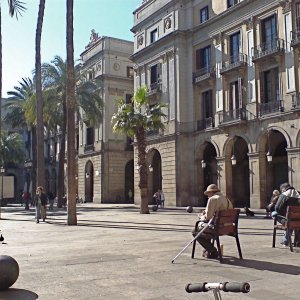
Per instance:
(207,104)
(235,41)
(203,58)
(269,31)
(270,85)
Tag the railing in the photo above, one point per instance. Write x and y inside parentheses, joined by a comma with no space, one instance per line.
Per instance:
(295,38)
(268,48)
(89,148)
(205,123)
(235,61)
(233,115)
(155,87)
(296,101)
(203,74)
(152,133)
(271,107)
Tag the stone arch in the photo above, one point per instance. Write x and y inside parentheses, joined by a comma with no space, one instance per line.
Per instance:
(272,173)
(236,150)
(89,181)
(206,169)
(155,173)
(129,182)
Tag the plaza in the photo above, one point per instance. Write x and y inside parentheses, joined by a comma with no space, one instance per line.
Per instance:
(116,253)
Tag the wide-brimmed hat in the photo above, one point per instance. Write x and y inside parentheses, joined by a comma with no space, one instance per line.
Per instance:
(211,188)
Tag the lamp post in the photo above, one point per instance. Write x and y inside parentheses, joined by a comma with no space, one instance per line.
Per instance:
(2,171)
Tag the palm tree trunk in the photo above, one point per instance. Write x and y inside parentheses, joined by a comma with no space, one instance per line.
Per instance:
(61,162)
(34,163)
(143,170)
(39,99)
(0,71)
(71,169)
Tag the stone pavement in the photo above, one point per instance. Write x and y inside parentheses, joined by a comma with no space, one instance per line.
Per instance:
(116,253)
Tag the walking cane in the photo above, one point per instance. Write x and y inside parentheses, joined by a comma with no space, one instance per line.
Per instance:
(198,234)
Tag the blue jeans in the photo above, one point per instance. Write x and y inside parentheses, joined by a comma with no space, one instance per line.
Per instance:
(281,220)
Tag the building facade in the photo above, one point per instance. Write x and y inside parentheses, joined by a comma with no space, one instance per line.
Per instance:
(105,159)
(229,72)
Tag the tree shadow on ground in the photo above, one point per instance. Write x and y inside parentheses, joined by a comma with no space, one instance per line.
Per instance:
(263,265)
(127,225)
(14,294)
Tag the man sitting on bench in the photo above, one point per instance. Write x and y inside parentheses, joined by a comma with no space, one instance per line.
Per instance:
(216,201)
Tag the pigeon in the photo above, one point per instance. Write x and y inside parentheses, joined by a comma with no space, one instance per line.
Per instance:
(1,238)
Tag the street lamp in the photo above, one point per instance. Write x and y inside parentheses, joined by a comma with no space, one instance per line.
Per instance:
(203,164)
(2,171)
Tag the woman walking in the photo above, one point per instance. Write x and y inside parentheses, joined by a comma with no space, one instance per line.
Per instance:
(40,204)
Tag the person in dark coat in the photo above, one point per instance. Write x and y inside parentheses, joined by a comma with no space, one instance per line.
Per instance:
(289,197)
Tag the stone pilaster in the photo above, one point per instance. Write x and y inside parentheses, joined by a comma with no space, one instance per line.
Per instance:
(254,180)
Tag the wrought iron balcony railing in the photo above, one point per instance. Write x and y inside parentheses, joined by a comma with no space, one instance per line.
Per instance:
(205,124)
(272,47)
(89,148)
(271,107)
(295,38)
(154,88)
(203,74)
(296,101)
(235,115)
(234,62)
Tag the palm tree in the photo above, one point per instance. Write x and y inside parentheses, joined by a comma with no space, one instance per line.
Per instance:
(11,148)
(21,113)
(16,8)
(70,99)
(88,101)
(135,119)
(39,98)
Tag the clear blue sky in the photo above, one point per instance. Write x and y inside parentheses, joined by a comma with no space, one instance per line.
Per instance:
(108,17)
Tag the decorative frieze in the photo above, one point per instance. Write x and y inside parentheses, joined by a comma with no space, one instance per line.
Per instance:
(286,6)
(250,23)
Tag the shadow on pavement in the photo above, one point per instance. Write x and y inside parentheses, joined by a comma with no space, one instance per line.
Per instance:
(263,265)
(130,225)
(14,294)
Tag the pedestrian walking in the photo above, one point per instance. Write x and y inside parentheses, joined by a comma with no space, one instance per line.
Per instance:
(40,204)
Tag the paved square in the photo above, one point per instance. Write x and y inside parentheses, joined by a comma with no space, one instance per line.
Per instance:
(116,253)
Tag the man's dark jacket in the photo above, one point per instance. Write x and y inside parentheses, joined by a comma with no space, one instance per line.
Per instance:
(286,200)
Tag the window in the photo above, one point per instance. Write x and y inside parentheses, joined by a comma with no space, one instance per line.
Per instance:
(270,85)
(203,57)
(130,72)
(207,104)
(128,98)
(204,14)
(298,16)
(269,31)
(230,3)
(90,136)
(155,74)
(153,35)
(235,47)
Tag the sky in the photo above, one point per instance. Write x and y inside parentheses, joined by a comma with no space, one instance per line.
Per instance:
(108,17)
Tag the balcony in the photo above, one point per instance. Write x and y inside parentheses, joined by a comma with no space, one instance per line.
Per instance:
(271,107)
(155,88)
(89,148)
(152,134)
(206,123)
(204,74)
(296,101)
(295,38)
(233,116)
(235,62)
(267,49)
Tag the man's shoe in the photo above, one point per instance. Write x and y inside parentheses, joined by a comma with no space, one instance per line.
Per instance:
(210,255)
(37,221)
(284,244)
